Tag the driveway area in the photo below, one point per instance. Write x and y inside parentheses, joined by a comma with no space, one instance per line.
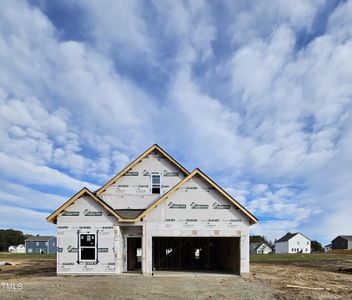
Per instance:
(319,278)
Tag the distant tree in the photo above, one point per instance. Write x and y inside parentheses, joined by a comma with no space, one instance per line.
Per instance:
(316,246)
(268,242)
(256,239)
(261,239)
(10,237)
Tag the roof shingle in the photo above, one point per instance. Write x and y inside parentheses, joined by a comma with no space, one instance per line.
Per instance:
(286,237)
(37,238)
(346,237)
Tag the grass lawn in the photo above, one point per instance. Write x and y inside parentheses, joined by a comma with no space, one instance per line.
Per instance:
(297,257)
(4,256)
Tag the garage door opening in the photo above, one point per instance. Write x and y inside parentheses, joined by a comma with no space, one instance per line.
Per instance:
(220,254)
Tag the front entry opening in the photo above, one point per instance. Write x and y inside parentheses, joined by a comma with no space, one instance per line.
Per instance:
(197,254)
(134,254)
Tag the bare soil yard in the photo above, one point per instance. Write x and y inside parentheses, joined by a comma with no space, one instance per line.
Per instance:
(271,277)
(320,276)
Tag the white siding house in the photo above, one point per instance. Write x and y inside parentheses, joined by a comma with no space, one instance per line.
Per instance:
(260,248)
(292,243)
(12,249)
(21,248)
(17,249)
(154,215)
(327,248)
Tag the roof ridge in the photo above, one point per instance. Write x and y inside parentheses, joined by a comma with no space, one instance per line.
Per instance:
(136,161)
(289,236)
(51,218)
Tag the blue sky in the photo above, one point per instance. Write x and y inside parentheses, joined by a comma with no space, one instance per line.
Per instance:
(255,93)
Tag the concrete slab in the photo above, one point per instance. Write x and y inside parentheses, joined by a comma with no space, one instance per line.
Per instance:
(192,274)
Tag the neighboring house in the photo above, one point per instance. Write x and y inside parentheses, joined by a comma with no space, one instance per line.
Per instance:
(153,215)
(292,243)
(21,248)
(342,242)
(17,249)
(12,249)
(41,244)
(327,248)
(260,248)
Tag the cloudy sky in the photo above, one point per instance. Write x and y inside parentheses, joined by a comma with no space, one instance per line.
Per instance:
(255,93)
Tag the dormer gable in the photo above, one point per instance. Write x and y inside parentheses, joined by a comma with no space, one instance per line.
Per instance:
(152,150)
(143,181)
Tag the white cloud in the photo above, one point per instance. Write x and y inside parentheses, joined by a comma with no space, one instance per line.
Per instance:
(29,132)
(255,19)
(117,24)
(240,193)
(283,121)
(206,121)
(22,196)
(340,23)
(275,229)
(243,96)
(31,221)
(281,204)
(90,96)
(270,79)
(191,25)
(27,172)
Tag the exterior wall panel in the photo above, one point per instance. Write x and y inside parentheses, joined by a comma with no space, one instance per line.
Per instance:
(197,210)
(133,190)
(85,216)
(281,248)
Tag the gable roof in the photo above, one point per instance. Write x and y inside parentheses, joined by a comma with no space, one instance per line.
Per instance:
(286,237)
(345,237)
(84,191)
(252,218)
(127,215)
(136,161)
(255,246)
(38,238)
(289,236)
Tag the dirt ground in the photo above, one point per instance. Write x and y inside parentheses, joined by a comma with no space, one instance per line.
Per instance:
(317,279)
(35,278)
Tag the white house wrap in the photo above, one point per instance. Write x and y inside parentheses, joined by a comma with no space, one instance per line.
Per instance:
(153,215)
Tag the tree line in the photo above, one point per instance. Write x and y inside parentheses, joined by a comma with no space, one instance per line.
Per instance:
(9,237)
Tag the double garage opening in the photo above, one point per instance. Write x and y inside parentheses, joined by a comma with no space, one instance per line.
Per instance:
(217,254)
